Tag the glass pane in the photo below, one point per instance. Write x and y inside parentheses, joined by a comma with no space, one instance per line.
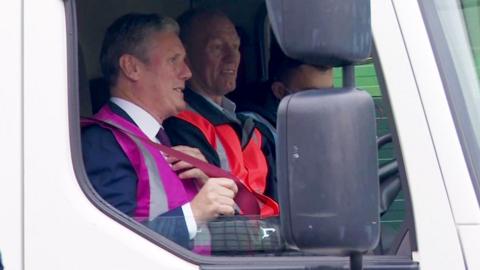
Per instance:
(240,236)
(471,13)
(453,18)
(460,62)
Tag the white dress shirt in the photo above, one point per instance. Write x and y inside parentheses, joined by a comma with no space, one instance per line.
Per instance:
(150,127)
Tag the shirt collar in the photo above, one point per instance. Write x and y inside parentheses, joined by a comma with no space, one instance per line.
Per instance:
(145,121)
(228,107)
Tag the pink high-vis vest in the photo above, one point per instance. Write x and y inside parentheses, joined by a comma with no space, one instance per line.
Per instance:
(158,188)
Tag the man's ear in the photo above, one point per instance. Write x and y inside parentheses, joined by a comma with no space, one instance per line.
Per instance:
(279,90)
(130,66)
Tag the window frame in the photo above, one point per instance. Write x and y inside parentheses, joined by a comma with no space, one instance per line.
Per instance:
(455,99)
(205,262)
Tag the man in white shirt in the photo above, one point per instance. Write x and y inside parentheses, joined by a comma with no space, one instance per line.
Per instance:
(143,60)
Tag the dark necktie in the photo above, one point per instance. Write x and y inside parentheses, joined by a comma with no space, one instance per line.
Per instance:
(163,138)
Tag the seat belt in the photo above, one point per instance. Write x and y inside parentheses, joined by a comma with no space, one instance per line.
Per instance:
(245,198)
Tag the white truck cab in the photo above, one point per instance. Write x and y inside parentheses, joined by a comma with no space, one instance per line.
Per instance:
(426,55)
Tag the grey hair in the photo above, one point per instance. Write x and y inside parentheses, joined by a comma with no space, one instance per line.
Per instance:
(130,34)
(194,17)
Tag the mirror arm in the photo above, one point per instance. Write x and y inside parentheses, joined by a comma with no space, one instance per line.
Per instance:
(356,261)
(348,76)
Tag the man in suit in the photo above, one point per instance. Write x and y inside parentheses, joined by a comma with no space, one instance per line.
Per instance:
(143,61)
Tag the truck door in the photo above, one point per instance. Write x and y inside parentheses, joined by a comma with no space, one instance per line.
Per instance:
(57,220)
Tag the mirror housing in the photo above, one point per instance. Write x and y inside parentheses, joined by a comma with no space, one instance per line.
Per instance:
(327,171)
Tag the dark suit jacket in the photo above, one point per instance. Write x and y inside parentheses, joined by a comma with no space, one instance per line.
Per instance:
(115,180)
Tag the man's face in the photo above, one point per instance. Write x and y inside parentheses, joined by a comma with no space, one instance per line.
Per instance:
(306,77)
(303,77)
(214,56)
(163,75)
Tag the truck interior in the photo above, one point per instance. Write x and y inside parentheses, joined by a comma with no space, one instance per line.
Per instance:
(91,18)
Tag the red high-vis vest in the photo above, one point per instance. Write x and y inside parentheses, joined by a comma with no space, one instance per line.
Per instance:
(248,163)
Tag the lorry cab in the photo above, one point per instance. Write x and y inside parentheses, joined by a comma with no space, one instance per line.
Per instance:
(422,79)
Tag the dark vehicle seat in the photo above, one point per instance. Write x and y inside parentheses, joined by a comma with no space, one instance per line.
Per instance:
(99,93)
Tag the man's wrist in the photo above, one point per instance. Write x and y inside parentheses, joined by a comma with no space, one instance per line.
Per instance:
(190,220)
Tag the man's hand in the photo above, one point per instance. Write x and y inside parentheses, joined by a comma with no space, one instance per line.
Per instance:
(186,170)
(215,198)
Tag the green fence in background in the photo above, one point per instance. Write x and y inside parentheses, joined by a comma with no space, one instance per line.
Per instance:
(471,11)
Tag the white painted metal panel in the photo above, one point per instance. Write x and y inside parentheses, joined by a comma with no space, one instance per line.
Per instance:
(449,152)
(433,218)
(470,236)
(11,181)
(62,229)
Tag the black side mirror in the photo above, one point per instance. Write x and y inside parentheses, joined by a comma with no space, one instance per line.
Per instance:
(326,151)
(327,171)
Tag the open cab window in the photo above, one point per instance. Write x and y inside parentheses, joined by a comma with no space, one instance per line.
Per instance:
(237,241)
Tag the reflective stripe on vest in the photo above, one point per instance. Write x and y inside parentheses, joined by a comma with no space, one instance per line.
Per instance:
(155,185)
(222,155)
